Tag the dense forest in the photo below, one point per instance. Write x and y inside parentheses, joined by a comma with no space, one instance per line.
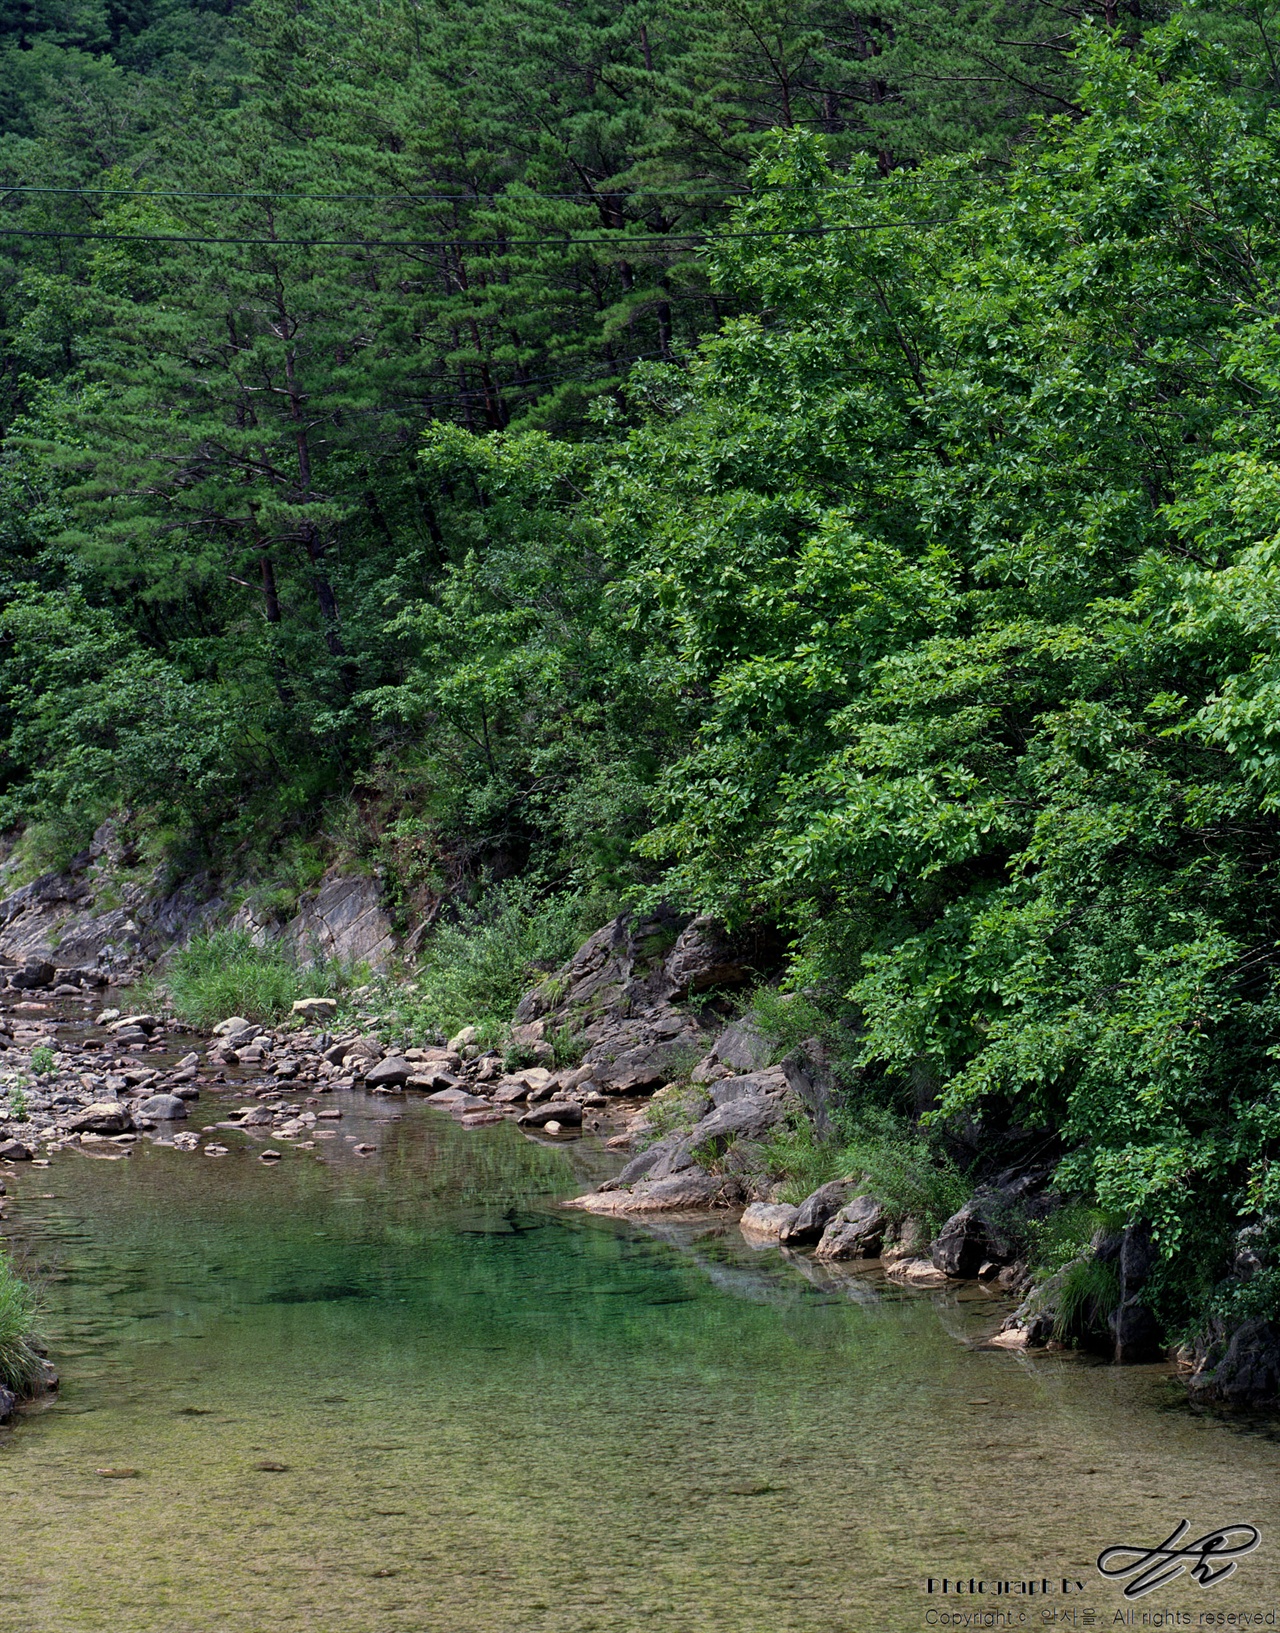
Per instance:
(811,465)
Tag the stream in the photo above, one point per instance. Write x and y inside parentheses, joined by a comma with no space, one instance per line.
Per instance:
(406,1391)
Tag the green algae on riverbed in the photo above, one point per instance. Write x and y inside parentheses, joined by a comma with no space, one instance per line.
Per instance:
(407,1394)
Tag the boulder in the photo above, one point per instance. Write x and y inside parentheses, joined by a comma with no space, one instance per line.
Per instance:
(1248,1374)
(740,1048)
(35,972)
(855,1232)
(568,1113)
(469,1103)
(974,1236)
(392,1072)
(14,1151)
(916,1273)
(102,1117)
(767,1219)
(815,1213)
(1132,1325)
(743,1119)
(343,920)
(143,1022)
(705,956)
(694,1189)
(163,1108)
(232,1025)
(429,1078)
(8,1404)
(467,1038)
(315,1009)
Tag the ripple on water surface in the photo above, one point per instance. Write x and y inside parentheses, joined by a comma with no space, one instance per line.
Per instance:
(406,1394)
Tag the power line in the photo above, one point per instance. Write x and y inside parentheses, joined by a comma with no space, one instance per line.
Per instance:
(605,190)
(547,241)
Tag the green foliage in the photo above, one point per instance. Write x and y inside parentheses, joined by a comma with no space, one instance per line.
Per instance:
(20,1362)
(474,970)
(18,1105)
(225,972)
(42,1062)
(1065,1234)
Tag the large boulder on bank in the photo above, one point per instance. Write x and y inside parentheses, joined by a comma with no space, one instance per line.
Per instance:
(856,1231)
(102,1117)
(746,1118)
(766,1220)
(1247,1374)
(163,1108)
(315,1009)
(1133,1327)
(35,972)
(682,1193)
(972,1237)
(815,1213)
(621,993)
(393,1072)
(568,1113)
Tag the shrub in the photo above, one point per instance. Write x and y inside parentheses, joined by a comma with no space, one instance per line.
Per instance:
(42,1062)
(226,973)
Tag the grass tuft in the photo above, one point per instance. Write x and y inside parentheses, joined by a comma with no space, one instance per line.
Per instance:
(475,969)
(226,973)
(910,1177)
(21,1368)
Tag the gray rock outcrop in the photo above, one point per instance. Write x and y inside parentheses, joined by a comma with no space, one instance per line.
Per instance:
(856,1231)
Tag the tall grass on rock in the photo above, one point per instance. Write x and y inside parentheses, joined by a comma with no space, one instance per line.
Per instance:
(476,968)
(20,1363)
(227,973)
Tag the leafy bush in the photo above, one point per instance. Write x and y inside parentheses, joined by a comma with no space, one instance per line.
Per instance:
(475,969)
(226,973)
(42,1062)
(18,1105)
(20,1364)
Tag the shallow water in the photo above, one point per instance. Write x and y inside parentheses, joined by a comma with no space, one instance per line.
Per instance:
(497,1417)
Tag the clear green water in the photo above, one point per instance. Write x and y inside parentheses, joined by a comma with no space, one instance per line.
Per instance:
(497,1417)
